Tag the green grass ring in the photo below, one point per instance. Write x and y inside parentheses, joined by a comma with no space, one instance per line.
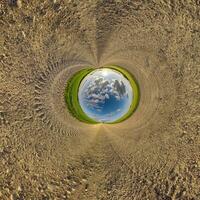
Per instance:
(71,96)
(72,89)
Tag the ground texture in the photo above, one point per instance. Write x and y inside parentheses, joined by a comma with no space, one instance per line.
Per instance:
(47,154)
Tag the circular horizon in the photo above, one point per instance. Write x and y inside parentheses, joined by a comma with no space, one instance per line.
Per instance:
(105,95)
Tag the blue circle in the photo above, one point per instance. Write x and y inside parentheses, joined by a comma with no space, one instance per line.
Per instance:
(105,95)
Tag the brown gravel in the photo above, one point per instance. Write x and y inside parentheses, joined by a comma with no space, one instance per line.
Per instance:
(47,154)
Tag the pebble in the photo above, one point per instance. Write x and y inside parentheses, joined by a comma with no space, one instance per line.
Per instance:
(24,35)
(1,150)
(68,192)
(11,197)
(198,164)
(50,187)
(19,188)
(17,3)
(84,180)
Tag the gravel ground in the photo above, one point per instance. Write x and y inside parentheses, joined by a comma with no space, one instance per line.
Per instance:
(47,154)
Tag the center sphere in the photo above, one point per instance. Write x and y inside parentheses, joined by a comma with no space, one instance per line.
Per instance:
(105,95)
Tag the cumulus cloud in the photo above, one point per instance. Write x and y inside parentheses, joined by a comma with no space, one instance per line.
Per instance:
(119,87)
(100,89)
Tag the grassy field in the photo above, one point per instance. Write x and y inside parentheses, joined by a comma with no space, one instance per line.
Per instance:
(71,94)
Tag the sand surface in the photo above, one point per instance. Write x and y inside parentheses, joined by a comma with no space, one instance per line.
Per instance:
(47,154)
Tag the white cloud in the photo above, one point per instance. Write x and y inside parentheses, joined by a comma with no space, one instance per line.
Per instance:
(101,89)
(107,96)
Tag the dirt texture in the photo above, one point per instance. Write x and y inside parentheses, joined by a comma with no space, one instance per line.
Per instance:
(47,154)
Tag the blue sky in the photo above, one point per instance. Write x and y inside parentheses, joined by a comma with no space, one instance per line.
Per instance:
(105,95)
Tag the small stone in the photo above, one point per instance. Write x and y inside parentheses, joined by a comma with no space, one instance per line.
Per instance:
(11,197)
(68,192)
(19,3)
(19,188)
(84,180)
(50,187)
(74,182)
(1,150)
(16,3)
(33,19)
(86,187)
(184,193)
(24,35)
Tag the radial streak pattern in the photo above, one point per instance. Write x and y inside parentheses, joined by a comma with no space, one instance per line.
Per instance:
(45,153)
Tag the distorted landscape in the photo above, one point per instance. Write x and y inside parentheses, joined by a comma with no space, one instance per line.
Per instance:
(46,153)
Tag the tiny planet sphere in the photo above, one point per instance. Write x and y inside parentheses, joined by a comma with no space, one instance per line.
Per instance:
(105,95)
